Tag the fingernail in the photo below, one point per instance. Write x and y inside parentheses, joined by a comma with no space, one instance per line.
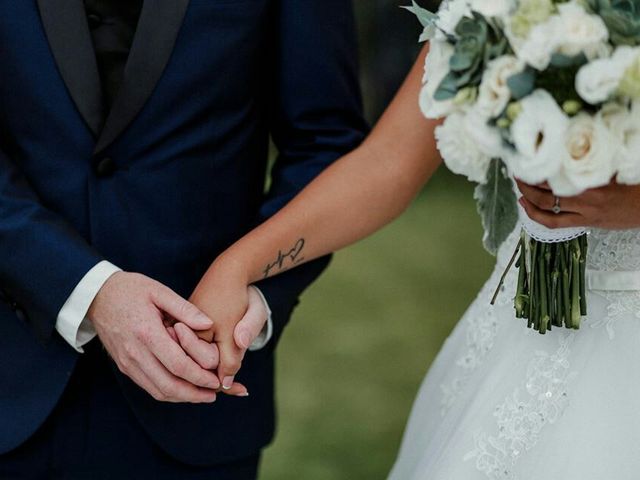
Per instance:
(215,384)
(244,394)
(245,339)
(206,321)
(227,383)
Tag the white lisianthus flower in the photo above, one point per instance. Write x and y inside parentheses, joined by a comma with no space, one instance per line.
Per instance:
(538,135)
(539,45)
(494,93)
(451,13)
(459,152)
(487,138)
(624,124)
(492,8)
(629,86)
(581,32)
(598,80)
(435,69)
(590,148)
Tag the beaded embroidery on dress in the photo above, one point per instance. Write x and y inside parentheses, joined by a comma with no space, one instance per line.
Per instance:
(516,405)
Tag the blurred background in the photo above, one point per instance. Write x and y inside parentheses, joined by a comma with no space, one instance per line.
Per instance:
(365,334)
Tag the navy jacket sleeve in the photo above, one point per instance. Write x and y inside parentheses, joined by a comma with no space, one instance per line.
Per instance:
(42,258)
(316,117)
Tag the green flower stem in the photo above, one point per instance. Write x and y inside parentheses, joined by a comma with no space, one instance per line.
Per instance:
(533,286)
(543,319)
(556,314)
(506,271)
(549,282)
(584,246)
(562,287)
(566,302)
(522,299)
(575,284)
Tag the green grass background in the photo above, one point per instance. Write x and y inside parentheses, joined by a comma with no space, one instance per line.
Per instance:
(365,334)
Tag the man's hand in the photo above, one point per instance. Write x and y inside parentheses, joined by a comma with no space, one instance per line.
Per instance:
(239,315)
(613,207)
(128,314)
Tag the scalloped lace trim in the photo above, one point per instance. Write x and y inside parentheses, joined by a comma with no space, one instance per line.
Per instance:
(547,235)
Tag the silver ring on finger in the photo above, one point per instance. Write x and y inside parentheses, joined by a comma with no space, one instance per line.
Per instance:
(556,206)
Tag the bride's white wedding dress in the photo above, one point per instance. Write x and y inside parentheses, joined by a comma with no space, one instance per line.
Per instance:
(504,402)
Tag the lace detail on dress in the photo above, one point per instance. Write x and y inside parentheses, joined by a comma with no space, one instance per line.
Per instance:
(481,330)
(615,250)
(522,416)
(619,304)
(611,250)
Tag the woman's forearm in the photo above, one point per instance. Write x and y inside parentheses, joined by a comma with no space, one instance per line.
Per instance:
(353,198)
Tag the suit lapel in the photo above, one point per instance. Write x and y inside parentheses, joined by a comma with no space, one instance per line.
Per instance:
(160,22)
(65,23)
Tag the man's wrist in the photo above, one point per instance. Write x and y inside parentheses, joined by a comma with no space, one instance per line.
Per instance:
(266,334)
(93,311)
(73,323)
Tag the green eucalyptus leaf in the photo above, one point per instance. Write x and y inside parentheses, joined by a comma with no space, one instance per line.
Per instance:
(425,17)
(497,206)
(522,84)
(496,49)
(622,18)
(472,27)
(461,61)
(562,61)
(427,34)
(447,89)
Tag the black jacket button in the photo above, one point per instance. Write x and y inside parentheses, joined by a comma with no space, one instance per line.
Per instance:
(105,167)
(95,20)
(22,316)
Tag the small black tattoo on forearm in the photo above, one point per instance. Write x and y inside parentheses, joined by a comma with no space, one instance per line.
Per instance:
(286,259)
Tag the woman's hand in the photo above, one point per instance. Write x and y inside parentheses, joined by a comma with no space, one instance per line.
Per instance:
(239,316)
(613,207)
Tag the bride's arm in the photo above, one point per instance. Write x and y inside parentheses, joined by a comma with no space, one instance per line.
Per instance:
(357,195)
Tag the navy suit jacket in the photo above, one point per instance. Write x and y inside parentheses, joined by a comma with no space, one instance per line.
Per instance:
(162,183)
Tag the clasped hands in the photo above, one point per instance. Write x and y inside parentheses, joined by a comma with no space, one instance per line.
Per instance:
(179,350)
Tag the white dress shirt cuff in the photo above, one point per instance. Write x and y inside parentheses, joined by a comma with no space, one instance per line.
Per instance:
(267,332)
(72,322)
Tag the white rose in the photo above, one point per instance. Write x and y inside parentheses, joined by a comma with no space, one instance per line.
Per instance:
(624,124)
(588,159)
(494,93)
(598,80)
(451,13)
(540,45)
(459,152)
(492,8)
(581,32)
(537,134)
(436,67)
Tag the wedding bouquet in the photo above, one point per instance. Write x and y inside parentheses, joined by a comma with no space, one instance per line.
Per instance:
(545,91)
